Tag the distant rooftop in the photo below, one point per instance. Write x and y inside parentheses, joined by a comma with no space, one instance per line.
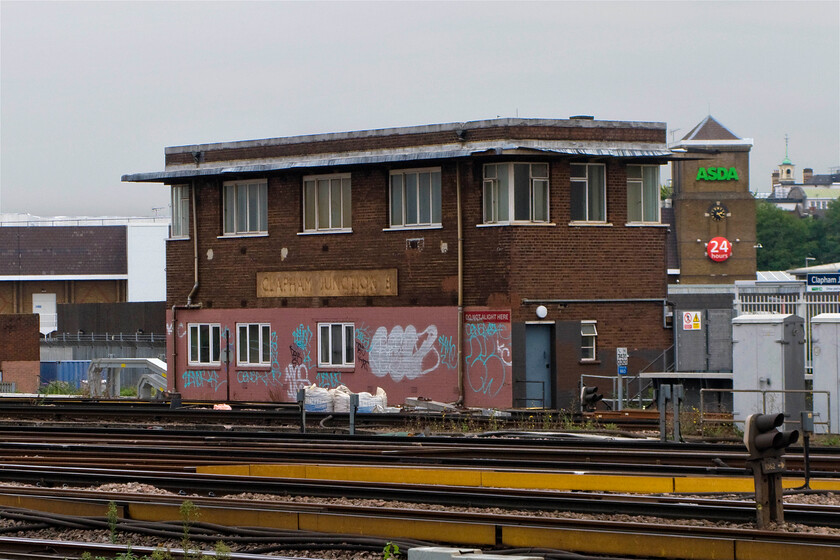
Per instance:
(29,220)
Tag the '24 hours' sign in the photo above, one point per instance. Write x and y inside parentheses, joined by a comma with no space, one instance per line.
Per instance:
(719,249)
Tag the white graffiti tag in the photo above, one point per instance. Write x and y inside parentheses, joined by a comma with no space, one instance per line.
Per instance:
(297,377)
(402,354)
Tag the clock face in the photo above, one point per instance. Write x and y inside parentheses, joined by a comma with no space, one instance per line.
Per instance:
(718,212)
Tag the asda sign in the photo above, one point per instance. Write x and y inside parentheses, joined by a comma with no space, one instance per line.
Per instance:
(717,174)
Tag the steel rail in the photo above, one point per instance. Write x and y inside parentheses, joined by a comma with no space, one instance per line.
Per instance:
(202,484)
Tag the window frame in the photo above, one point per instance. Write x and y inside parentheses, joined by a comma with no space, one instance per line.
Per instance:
(231,216)
(587,188)
(263,345)
(494,194)
(343,206)
(348,354)
(588,332)
(639,182)
(180,201)
(214,333)
(435,198)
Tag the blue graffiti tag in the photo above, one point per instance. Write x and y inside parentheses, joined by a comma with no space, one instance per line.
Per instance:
(200,378)
(328,379)
(448,352)
(489,357)
(302,336)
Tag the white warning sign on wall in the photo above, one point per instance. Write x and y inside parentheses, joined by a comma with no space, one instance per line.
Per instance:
(691,321)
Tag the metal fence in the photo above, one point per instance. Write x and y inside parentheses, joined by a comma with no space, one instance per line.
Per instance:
(713,418)
(787,299)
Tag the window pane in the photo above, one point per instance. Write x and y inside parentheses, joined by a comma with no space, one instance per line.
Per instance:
(539,170)
(193,343)
(634,171)
(203,343)
(266,344)
(396,200)
(243,343)
(411,199)
(596,193)
(425,198)
(325,344)
(241,208)
(254,344)
(348,344)
(521,192)
(436,197)
(323,203)
(503,205)
(253,208)
(489,171)
(216,343)
(335,344)
(540,200)
(309,205)
(489,200)
(578,200)
(578,170)
(230,208)
(346,207)
(262,220)
(335,203)
(634,201)
(651,193)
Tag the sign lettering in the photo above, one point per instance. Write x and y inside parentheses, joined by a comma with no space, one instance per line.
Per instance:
(719,249)
(717,174)
(487,316)
(324,283)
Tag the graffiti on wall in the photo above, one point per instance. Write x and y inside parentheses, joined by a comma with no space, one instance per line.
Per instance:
(488,359)
(448,351)
(402,353)
(202,378)
(328,379)
(297,371)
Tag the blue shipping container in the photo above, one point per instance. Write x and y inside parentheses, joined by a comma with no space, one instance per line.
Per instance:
(68,371)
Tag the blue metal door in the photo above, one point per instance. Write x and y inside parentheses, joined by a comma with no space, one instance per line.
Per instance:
(538,366)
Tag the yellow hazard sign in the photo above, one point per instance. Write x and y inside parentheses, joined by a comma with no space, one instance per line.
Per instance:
(691,321)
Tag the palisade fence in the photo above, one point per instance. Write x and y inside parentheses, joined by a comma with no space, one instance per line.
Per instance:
(786,300)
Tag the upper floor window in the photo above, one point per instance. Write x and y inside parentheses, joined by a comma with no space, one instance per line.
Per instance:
(205,343)
(246,207)
(643,193)
(589,192)
(326,203)
(415,197)
(254,344)
(588,340)
(335,344)
(180,211)
(515,192)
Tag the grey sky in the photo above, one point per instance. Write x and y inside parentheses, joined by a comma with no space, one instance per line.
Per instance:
(91,91)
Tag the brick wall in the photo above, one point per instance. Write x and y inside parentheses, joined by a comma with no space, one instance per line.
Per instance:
(20,351)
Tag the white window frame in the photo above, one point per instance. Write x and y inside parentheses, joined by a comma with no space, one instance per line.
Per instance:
(499,202)
(327,353)
(255,219)
(260,355)
(313,222)
(214,351)
(647,195)
(588,341)
(399,193)
(180,225)
(588,188)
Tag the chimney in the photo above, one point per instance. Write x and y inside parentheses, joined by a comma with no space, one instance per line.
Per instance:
(774,180)
(807,173)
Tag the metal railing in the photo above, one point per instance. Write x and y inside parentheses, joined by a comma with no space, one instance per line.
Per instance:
(524,401)
(104,337)
(705,419)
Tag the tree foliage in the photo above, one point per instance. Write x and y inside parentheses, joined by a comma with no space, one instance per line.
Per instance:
(786,239)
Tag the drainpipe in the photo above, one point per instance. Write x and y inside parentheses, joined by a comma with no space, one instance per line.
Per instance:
(192,293)
(460,286)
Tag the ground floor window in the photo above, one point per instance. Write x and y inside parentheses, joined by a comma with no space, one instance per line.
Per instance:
(254,343)
(205,343)
(335,344)
(588,340)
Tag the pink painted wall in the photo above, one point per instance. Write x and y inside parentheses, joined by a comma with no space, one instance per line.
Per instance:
(409,352)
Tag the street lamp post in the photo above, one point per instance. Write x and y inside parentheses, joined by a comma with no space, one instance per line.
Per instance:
(809,259)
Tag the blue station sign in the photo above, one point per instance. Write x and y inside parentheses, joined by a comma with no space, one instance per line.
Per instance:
(823,282)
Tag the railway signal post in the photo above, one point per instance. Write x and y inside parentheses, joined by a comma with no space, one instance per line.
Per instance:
(766,446)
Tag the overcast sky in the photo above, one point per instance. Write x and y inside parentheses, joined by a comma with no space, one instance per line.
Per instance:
(92,91)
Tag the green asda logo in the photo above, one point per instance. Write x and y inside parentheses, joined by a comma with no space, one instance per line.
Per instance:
(717,174)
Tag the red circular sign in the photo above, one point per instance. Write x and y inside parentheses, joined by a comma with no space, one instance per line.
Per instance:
(719,249)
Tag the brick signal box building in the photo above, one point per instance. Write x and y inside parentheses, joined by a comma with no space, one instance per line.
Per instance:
(492,263)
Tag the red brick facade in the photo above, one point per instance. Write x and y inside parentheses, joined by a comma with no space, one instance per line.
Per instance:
(20,351)
(612,273)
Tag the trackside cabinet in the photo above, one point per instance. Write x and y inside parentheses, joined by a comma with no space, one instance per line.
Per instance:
(768,358)
(825,364)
